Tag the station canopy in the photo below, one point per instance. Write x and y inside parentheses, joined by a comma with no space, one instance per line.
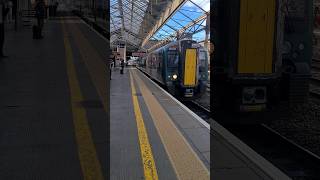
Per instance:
(136,22)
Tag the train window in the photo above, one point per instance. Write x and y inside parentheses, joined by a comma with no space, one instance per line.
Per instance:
(159,59)
(202,60)
(154,61)
(173,59)
(202,55)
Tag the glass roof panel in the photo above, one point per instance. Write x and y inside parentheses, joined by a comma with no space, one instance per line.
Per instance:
(164,32)
(131,14)
(200,36)
(173,24)
(168,29)
(113,2)
(197,5)
(184,16)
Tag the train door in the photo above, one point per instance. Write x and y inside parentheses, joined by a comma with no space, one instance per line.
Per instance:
(188,63)
(256,36)
(159,65)
(172,62)
(190,67)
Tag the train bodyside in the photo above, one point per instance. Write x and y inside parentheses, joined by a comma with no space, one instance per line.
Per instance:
(181,66)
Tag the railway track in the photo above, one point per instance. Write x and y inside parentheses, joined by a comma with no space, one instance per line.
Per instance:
(200,110)
(292,159)
(296,161)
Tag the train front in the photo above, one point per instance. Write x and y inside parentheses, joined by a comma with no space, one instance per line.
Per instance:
(190,79)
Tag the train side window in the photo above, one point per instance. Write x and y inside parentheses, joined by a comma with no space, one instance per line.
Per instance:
(154,61)
(202,61)
(159,59)
(173,59)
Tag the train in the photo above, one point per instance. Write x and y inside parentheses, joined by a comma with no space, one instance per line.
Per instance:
(262,55)
(180,66)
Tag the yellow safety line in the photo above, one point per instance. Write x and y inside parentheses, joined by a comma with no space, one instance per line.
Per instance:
(89,162)
(186,163)
(97,68)
(149,166)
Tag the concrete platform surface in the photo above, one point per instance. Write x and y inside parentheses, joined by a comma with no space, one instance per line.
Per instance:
(179,144)
(52,111)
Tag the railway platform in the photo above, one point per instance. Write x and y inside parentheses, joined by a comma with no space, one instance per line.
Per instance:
(54,118)
(52,103)
(151,134)
(232,159)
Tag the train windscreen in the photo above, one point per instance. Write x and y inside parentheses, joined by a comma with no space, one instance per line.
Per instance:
(173,58)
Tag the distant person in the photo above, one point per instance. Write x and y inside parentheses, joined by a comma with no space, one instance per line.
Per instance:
(110,65)
(40,9)
(122,66)
(3,13)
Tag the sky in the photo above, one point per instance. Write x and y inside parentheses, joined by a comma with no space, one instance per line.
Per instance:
(178,20)
(204,4)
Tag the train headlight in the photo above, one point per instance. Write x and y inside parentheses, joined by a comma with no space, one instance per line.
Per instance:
(174,76)
(286,47)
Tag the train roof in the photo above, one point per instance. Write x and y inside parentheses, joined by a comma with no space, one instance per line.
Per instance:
(173,43)
(168,45)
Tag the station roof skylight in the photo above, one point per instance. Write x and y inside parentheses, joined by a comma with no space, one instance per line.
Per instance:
(131,20)
(128,16)
(188,13)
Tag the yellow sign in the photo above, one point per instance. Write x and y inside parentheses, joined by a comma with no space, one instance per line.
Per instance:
(190,67)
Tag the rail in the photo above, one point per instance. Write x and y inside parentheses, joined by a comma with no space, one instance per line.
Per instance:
(293,159)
